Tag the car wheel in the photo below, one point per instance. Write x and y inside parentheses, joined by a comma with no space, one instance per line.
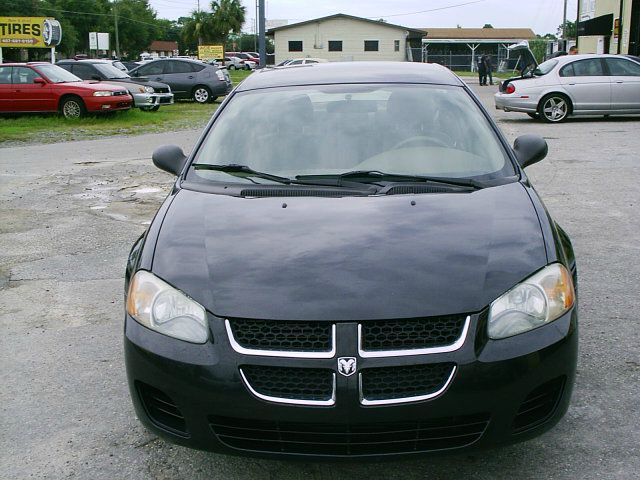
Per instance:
(201,94)
(232,67)
(72,107)
(535,115)
(554,108)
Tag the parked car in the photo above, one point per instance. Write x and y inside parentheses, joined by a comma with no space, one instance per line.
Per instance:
(237,63)
(244,56)
(572,85)
(42,87)
(147,95)
(301,61)
(371,274)
(187,78)
(131,65)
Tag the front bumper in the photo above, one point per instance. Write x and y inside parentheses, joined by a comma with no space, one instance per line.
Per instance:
(108,104)
(515,103)
(483,405)
(148,100)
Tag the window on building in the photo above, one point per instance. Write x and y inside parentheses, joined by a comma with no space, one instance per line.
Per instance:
(295,45)
(396,45)
(335,45)
(371,45)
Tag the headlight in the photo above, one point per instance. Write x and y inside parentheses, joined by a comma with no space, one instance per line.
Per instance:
(103,93)
(148,89)
(160,307)
(540,299)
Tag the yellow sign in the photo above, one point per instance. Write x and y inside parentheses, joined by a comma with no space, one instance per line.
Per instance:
(29,32)
(210,52)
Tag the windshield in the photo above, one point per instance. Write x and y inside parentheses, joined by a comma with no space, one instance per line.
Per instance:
(56,74)
(545,67)
(332,129)
(110,71)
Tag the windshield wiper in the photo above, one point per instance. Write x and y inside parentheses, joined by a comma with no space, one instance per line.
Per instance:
(373,176)
(237,168)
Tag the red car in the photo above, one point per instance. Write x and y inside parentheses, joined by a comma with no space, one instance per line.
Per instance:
(43,87)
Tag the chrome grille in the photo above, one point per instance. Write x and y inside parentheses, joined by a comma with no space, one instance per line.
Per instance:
(403,384)
(303,386)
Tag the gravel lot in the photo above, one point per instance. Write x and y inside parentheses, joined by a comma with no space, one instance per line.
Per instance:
(70,212)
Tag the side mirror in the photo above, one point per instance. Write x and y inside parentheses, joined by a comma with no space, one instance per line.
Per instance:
(169,158)
(530,149)
(39,80)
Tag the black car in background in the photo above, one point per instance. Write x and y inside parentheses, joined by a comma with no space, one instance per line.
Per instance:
(372,274)
(192,79)
(147,95)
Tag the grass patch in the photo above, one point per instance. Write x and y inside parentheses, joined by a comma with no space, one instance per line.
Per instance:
(51,128)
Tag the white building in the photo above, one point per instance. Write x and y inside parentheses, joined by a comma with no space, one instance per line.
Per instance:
(343,37)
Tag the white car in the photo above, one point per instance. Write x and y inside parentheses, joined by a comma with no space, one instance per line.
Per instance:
(572,85)
(237,63)
(301,61)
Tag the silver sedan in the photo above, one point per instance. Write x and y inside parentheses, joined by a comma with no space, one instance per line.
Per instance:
(575,85)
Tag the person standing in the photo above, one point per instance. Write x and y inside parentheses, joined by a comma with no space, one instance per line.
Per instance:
(482,71)
(488,65)
(573,50)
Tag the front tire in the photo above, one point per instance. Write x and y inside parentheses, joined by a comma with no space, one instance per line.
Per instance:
(554,108)
(72,107)
(201,94)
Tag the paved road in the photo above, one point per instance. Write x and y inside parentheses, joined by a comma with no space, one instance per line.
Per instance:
(69,213)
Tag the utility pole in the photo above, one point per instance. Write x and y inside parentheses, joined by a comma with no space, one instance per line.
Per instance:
(262,47)
(115,18)
(564,22)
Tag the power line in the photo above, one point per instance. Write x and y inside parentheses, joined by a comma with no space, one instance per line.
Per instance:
(100,15)
(427,11)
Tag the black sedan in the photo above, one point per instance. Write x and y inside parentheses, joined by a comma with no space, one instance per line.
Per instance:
(352,263)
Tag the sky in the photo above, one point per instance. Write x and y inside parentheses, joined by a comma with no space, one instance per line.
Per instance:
(542,16)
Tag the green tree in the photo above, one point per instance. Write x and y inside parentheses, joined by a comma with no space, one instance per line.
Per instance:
(487,25)
(228,16)
(197,29)
(572,30)
(538,47)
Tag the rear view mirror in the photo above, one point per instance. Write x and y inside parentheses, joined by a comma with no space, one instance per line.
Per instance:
(169,158)
(530,149)
(39,80)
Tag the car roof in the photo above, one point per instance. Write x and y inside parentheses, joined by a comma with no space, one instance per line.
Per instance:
(350,72)
(86,60)
(24,64)
(582,56)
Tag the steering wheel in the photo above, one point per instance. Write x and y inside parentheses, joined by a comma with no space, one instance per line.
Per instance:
(420,140)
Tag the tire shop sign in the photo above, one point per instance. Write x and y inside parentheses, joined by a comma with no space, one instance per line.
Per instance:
(29,32)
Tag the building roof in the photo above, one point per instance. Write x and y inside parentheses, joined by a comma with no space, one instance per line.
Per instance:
(413,32)
(479,33)
(352,73)
(163,46)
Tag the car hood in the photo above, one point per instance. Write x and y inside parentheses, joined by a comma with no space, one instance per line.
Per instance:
(350,258)
(139,81)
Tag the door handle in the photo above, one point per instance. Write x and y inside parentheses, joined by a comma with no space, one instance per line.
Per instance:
(619,81)
(158,78)
(191,76)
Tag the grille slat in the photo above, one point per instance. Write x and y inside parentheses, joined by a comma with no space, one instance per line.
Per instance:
(408,334)
(292,336)
(389,383)
(349,440)
(312,384)
(539,405)
(162,410)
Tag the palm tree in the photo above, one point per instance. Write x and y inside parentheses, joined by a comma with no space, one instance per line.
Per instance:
(228,16)
(198,28)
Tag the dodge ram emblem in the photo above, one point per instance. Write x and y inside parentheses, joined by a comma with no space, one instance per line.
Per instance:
(347,366)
